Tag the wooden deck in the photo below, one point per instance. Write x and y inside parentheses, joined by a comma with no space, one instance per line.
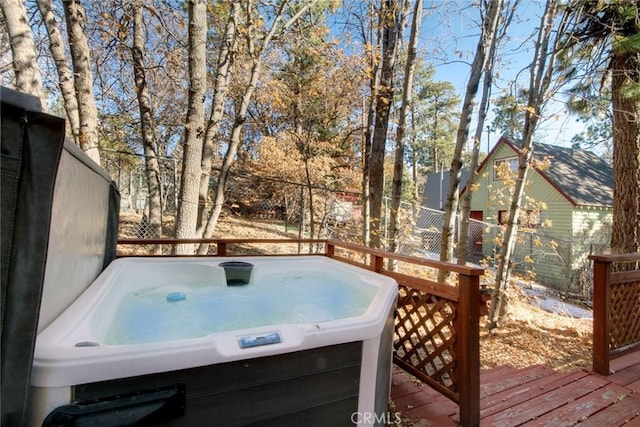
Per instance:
(534,396)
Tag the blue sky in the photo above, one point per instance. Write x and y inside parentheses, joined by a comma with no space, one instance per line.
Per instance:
(449,35)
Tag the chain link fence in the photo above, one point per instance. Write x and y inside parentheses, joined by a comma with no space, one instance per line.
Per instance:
(559,264)
(273,207)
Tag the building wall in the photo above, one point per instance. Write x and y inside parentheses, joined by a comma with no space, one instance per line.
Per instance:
(552,248)
(491,196)
(591,232)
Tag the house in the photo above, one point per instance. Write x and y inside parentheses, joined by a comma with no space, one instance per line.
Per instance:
(566,214)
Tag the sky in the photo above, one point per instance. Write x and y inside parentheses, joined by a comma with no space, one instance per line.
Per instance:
(449,35)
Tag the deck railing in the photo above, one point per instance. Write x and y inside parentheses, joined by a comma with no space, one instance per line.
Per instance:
(436,326)
(616,308)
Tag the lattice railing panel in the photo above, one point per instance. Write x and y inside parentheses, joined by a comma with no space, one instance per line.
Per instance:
(425,336)
(625,315)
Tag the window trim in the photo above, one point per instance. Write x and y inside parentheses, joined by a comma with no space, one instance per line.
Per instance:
(497,162)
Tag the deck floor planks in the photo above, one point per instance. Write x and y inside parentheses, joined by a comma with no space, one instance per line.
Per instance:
(514,379)
(625,376)
(546,402)
(615,415)
(625,361)
(582,408)
(503,401)
(533,396)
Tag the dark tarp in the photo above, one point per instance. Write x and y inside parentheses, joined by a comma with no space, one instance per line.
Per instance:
(31,145)
(40,256)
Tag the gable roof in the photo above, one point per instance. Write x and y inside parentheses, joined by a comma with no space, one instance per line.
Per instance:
(581,176)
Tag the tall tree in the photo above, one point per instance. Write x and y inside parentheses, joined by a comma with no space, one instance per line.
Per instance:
(147,124)
(488,33)
(465,209)
(407,97)
(541,72)
(25,63)
(509,114)
(285,15)
(391,16)
(194,131)
(224,70)
(604,47)
(374,69)
(76,19)
(65,76)
(433,119)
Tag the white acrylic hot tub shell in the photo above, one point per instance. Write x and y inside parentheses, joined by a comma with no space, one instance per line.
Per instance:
(59,365)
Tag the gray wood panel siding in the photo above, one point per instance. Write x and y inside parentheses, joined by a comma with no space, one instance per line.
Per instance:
(319,386)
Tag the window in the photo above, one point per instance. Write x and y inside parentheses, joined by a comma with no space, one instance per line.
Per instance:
(500,166)
(531,218)
(503,216)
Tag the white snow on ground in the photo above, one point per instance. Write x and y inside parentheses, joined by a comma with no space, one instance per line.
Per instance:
(541,297)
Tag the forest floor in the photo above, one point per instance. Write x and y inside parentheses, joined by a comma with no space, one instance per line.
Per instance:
(529,335)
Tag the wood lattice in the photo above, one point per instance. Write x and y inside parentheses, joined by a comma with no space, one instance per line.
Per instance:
(425,335)
(625,315)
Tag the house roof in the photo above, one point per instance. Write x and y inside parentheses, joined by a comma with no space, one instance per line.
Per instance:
(581,176)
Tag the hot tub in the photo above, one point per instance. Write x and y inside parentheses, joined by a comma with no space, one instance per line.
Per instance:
(306,340)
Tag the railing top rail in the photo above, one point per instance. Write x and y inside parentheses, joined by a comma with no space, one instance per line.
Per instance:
(616,257)
(466,270)
(171,241)
(463,269)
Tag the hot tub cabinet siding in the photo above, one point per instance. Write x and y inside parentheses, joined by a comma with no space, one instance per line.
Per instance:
(318,386)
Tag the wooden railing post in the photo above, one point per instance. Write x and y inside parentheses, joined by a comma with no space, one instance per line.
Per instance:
(377,263)
(467,348)
(221,250)
(601,315)
(329,249)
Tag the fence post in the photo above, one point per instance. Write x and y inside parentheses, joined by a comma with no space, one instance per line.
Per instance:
(601,315)
(467,349)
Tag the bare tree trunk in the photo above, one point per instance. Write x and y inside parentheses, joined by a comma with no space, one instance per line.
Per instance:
(194,126)
(23,50)
(391,18)
(147,125)
(407,98)
(241,115)
(414,156)
(65,76)
(541,71)
(76,19)
(368,138)
(625,232)
(465,210)
(489,29)
(223,77)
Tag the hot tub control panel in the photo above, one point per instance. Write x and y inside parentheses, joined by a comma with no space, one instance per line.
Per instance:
(256,340)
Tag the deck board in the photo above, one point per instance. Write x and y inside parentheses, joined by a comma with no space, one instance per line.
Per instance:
(533,396)
(582,408)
